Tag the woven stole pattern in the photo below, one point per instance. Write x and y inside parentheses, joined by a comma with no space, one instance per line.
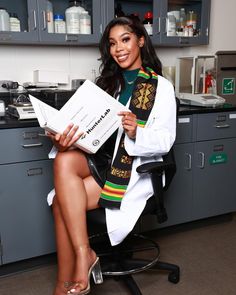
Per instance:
(141,104)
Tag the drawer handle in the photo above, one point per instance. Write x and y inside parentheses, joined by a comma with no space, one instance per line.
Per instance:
(34,19)
(222,126)
(201,166)
(44,20)
(189,167)
(26,146)
(34,171)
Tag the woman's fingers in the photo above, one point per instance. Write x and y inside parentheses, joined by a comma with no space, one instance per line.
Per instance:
(68,137)
(129,123)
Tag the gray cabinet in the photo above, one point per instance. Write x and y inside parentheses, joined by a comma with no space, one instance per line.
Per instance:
(26,222)
(27,13)
(214,190)
(204,184)
(33,17)
(160,9)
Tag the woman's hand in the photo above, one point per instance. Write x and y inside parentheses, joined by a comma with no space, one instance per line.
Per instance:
(65,140)
(129,123)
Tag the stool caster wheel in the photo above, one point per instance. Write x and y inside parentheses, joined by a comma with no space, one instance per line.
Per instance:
(173,277)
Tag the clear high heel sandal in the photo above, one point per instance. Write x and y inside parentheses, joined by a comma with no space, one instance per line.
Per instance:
(96,272)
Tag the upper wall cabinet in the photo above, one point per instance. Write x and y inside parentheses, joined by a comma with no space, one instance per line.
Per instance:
(66,27)
(168,22)
(18,21)
(56,22)
(53,22)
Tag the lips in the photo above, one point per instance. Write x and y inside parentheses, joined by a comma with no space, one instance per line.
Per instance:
(122,58)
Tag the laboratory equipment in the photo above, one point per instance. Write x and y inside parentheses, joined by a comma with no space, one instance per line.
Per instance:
(195,82)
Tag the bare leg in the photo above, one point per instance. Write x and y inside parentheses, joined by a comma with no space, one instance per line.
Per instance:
(76,191)
(65,252)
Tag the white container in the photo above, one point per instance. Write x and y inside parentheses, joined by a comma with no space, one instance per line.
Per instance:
(85,23)
(72,18)
(59,24)
(171,24)
(4,20)
(49,16)
(14,23)
(44,76)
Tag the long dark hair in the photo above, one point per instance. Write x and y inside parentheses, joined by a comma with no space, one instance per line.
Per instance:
(111,78)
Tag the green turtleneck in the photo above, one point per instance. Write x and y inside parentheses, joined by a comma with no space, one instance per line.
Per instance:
(129,76)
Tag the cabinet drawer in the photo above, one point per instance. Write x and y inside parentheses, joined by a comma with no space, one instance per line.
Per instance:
(184,129)
(23,144)
(216,125)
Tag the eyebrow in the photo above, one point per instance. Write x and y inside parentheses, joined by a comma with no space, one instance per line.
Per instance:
(122,35)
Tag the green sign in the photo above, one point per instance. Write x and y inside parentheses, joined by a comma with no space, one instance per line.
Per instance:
(218,159)
(228,86)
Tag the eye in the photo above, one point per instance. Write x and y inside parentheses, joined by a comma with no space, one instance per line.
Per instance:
(126,39)
(111,43)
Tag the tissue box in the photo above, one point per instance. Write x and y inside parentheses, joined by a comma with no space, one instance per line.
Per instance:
(40,76)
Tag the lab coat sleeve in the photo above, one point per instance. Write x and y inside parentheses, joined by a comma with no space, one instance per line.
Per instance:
(158,136)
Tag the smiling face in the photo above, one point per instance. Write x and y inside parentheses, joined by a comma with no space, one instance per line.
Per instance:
(125,47)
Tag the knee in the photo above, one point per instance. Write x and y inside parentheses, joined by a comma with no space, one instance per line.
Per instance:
(61,162)
(68,162)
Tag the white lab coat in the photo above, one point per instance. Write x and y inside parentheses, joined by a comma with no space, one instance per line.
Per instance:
(152,141)
(150,144)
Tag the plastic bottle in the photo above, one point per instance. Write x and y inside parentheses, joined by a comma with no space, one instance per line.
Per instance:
(4,20)
(182,18)
(14,22)
(85,23)
(59,24)
(148,22)
(72,17)
(171,25)
(49,16)
(192,19)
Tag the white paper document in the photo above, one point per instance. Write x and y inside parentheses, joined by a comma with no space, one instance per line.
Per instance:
(90,108)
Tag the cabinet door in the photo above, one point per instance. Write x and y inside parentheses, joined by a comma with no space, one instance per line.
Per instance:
(136,8)
(26,11)
(178,197)
(26,222)
(214,190)
(173,29)
(59,7)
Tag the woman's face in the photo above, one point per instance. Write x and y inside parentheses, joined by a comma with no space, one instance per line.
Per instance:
(125,47)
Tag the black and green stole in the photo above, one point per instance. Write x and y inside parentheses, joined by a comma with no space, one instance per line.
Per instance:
(141,104)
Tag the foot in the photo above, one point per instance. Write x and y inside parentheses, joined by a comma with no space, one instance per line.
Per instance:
(62,288)
(85,257)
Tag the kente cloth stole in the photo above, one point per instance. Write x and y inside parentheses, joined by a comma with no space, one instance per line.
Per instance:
(141,104)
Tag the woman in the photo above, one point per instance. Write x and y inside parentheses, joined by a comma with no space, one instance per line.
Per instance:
(130,72)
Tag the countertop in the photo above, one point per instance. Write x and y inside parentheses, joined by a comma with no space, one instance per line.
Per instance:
(8,122)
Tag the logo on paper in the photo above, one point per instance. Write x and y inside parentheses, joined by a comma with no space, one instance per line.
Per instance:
(96,142)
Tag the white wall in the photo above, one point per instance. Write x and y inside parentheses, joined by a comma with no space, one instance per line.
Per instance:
(18,62)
